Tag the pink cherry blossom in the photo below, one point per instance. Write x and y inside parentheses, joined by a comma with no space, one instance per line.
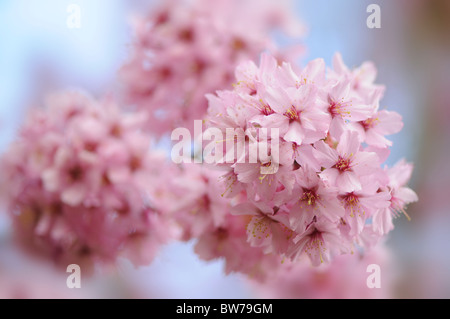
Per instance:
(343,106)
(361,78)
(313,198)
(297,111)
(321,241)
(300,200)
(373,130)
(192,196)
(328,194)
(230,243)
(77,179)
(268,227)
(361,205)
(185,49)
(400,196)
(347,163)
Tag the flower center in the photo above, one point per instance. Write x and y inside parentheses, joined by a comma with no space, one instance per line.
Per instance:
(315,245)
(267,110)
(135,163)
(369,123)
(186,35)
(351,202)
(343,164)
(295,150)
(238,44)
(266,164)
(309,197)
(221,233)
(339,109)
(198,66)
(76,173)
(292,114)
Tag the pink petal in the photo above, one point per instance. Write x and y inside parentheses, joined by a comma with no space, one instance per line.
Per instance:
(356,223)
(378,200)
(295,133)
(348,182)
(50,177)
(303,97)
(330,176)
(382,221)
(340,90)
(299,218)
(400,173)
(278,99)
(337,127)
(258,231)
(74,195)
(367,72)
(280,237)
(119,174)
(325,155)
(298,248)
(286,153)
(407,195)
(339,65)
(314,71)
(389,122)
(287,76)
(360,112)
(348,144)
(268,64)
(382,153)
(274,120)
(305,157)
(247,173)
(331,209)
(376,139)
(365,163)
(306,177)
(315,119)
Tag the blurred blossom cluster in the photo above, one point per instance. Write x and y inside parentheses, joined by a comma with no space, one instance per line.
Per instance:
(185,49)
(193,196)
(83,183)
(341,279)
(76,183)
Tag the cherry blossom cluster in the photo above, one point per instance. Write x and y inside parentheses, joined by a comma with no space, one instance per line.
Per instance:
(185,49)
(303,183)
(76,183)
(327,192)
(192,195)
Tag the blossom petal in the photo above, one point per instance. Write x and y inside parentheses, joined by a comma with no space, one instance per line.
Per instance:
(324,154)
(74,195)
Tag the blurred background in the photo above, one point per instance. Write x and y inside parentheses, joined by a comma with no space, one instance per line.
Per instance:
(39,54)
